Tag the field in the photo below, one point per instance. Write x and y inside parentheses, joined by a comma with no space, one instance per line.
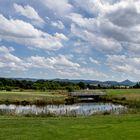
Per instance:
(58,96)
(122,91)
(32,97)
(129,97)
(97,127)
(91,128)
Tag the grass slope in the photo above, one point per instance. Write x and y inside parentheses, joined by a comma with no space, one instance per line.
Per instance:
(130,95)
(90,128)
(122,91)
(32,97)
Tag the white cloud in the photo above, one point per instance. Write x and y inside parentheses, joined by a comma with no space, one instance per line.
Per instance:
(90,6)
(28,12)
(92,72)
(120,13)
(105,27)
(87,23)
(60,61)
(24,33)
(111,21)
(133,48)
(60,8)
(124,64)
(60,65)
(60,36)
(89,73)
(59,24)
(94,61)
(9,61)
(98,42)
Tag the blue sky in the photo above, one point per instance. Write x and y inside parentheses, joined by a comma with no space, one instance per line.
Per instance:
(75,39)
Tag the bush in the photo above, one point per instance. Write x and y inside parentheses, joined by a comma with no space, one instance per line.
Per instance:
(69,89)
(8,89)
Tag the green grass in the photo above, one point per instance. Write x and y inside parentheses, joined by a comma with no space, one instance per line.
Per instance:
(91,128)
(58,96)
(129,94)
(32,97)
(122,91)
(130,97)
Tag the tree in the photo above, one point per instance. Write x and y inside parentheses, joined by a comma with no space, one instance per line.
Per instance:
(82,85)
(137,85)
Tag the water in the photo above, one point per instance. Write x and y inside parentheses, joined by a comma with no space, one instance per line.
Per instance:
(84,109)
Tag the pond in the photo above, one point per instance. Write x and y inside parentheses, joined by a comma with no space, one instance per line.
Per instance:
(78,109)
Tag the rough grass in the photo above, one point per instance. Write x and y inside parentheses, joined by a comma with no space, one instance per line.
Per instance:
(91,128)
(130,97)
(122,91)
(31,97)
(128,94)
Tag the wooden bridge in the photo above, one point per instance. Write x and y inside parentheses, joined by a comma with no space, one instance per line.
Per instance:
(82,96)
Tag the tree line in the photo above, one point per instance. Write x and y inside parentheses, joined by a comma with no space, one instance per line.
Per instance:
(9,84)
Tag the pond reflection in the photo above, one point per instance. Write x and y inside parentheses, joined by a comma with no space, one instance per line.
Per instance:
(84,109)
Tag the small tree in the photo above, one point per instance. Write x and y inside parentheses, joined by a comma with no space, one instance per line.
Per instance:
(82,85)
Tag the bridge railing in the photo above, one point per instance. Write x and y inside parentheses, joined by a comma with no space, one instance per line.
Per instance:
(86,94)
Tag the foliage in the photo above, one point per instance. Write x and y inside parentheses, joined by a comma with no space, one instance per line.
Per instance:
(9,84)
(137,85)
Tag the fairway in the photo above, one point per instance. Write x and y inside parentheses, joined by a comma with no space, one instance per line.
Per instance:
(90,128)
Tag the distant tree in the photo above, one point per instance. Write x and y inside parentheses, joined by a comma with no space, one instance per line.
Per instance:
(70,89)
(82,85)
(8,89)
(137,85)
(99,86)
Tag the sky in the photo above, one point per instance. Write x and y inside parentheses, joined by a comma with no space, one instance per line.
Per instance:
(74,39)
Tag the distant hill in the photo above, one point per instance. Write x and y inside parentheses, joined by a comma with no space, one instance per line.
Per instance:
(109,83)
(127,83)
(27,79)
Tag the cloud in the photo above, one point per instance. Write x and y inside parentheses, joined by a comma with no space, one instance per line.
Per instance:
(112,20)
(86,23)
(60,8)
(133,49)
(94,61)
(59,61)
(26,34)
(90,6)
(106,30)
(9,61)
(121,21)
(60,64)
(94,7)
(89,73)
(120,13)
(58,24)
(124,64)
(60,36)
(28,12)
(98,42)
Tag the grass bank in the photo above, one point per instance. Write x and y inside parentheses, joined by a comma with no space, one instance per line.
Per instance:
(90,128)
(32,97)
(130,97)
